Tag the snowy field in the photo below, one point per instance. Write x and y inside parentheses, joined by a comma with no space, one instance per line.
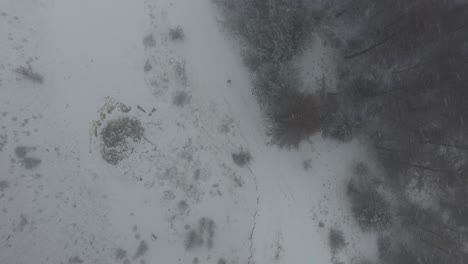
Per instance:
(177,190)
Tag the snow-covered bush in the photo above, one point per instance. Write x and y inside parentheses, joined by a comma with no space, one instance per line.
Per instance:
(369,208)
(241,158)
(176,34)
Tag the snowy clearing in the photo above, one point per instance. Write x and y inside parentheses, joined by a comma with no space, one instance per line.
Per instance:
(173,193)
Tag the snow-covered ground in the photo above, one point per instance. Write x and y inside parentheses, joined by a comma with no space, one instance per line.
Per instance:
(178,197)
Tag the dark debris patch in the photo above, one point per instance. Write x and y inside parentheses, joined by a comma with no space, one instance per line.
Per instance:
(116,137)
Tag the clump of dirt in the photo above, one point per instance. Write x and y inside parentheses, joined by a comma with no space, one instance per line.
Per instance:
(117,136)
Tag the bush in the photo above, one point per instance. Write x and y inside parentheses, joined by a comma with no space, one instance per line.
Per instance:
(176,34)
(241,158)
(29,74)
(370,210)
(336,240)
(149,41)
(181,98)
(340,127)
(275,29)
(361,169)
(116,136)
(293,119)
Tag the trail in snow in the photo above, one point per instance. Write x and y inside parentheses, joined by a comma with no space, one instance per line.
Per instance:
(178,197)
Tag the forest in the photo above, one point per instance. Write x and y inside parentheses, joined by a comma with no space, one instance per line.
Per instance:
(401,74)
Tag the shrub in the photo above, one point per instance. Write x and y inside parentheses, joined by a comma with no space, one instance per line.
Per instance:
(336,240)
(147,66)
(340,127)
(181,98)
(293,118)
(276,29)
(370,210)
(361,169)
(241,158)
(176,34)
(116,136)
(149,41)
(29,74)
